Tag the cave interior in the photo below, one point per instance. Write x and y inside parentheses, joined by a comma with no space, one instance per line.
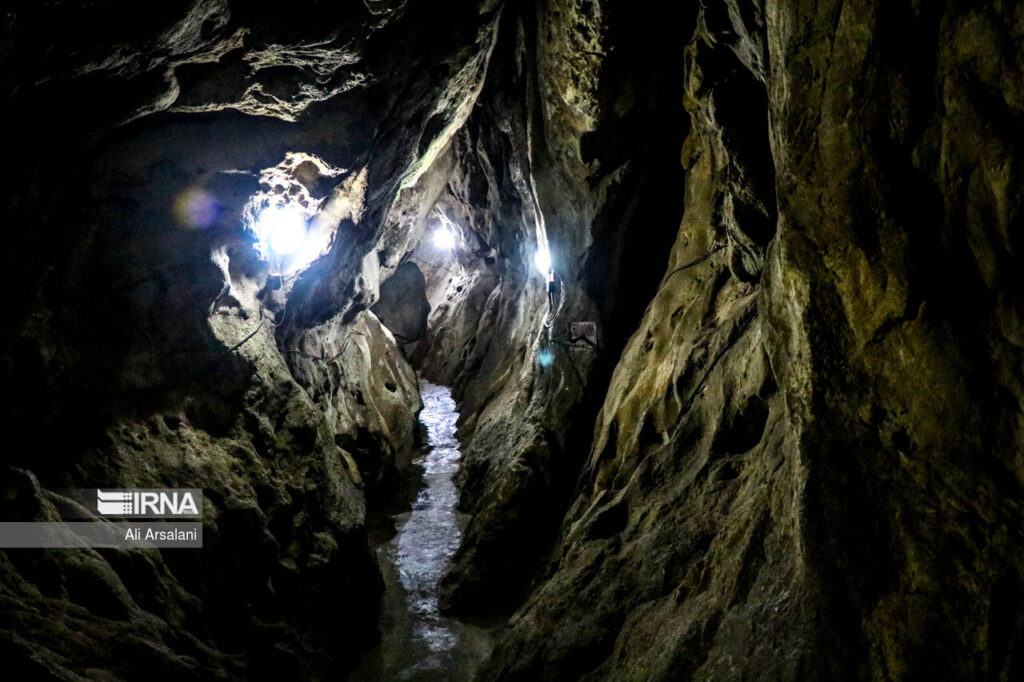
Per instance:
(706,311)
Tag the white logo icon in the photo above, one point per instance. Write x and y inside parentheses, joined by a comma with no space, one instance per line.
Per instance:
(146,503)
(118,503)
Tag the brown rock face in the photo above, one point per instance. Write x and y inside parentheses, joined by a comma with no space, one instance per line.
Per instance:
(762,420)
(149,346)
(806,465)
(596,183)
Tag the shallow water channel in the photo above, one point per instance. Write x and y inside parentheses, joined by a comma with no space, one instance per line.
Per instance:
(417,642)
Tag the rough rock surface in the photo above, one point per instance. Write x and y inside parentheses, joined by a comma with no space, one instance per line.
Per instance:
(403,307)
(554,153)
(149,346)
(807,463)
(793,450)
(283,528)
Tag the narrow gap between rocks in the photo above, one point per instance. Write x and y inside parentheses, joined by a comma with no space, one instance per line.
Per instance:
(414,537)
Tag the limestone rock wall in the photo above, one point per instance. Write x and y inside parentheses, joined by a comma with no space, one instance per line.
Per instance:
(793,452)
(149,346)
(566,147)
(806,465)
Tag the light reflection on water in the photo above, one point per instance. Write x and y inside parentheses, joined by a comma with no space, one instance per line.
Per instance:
(418,643)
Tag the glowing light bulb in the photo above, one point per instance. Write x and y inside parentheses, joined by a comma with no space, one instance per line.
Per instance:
(283,228)
(542,259)
(444,239)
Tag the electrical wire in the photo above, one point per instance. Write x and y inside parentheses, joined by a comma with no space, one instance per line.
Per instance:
(696,262)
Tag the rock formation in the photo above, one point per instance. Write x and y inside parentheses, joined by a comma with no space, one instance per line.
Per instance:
(765,424)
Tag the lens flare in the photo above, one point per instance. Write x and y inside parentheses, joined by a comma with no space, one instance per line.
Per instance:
(546,357)
(193,208)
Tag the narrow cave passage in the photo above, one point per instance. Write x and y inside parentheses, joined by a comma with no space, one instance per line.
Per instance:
(417,641)
(718,297)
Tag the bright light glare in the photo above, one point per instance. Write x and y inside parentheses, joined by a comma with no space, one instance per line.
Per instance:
(443,238)
(283,228)
(542,259)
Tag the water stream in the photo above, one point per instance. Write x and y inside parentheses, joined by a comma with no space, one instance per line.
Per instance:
(417,642)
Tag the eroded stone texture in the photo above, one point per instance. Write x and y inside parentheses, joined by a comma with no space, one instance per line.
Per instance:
(153,348)
(794,453)
(261,58)
(567,145)
(403,306)
(806,464)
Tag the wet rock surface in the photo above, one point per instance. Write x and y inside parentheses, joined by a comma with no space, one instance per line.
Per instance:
(152,347)
(803,466)
(417,642)
(564,166)
(764,422)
